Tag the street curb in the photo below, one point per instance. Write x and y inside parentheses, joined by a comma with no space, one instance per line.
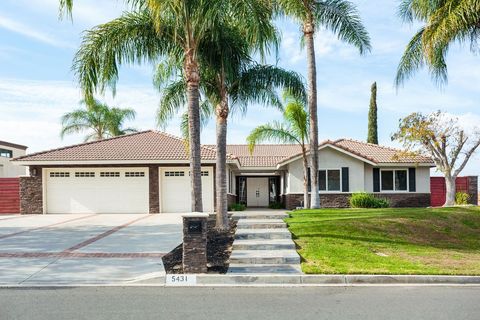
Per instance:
(327,280)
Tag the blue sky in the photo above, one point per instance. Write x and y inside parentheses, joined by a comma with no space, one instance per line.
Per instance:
(37,85)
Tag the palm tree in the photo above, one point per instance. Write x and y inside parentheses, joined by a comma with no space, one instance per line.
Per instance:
(243,85)
(445,22)
(173,29)
(103,121)
(340,17)
(294,129)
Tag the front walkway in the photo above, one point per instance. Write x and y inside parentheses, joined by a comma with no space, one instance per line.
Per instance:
(263,244)
(85,248)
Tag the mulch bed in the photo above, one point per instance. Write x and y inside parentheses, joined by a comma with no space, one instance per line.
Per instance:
(219,248)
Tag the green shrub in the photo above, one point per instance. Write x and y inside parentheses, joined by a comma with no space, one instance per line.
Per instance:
(461,198)
(276,205)
(236,207)
(367,200)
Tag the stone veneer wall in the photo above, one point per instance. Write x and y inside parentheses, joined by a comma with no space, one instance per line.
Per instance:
(231,199)
(340,200)
(31,193)
(473,189)
(154,197)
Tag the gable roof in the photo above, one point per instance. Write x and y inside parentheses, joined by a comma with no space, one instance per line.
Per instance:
(153,146)
(264,155)
(371,153)
(140,146)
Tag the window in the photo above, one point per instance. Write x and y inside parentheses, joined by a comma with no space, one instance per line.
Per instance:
(394,180)
(328,180)
(174,173)
(59,174)
(6,153)
(84,174)
(134,174)
(109,174)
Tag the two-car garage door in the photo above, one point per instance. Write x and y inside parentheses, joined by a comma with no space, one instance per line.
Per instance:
(97,190)
(121,190)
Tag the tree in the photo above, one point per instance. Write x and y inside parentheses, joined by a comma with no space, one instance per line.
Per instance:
(224,91)
(294,129)
(103,121)
(172,29)
(340,17)
(372,116)
(444,23)
(443,139)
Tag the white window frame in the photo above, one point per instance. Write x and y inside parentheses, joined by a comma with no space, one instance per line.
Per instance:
(326,181)
(394,187)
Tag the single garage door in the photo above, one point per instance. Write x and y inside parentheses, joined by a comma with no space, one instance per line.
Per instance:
(175,189)
(92,190)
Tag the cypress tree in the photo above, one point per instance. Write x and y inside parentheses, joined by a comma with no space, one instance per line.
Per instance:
(372,117)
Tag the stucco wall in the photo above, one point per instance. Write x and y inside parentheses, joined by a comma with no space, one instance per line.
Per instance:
(8,169)
(328,159)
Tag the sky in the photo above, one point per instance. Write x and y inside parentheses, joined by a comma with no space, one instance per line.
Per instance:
(37,85)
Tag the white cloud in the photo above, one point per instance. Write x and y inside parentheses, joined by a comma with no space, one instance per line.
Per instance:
(32,33)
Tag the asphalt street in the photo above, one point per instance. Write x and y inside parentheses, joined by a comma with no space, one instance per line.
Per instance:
(143,303)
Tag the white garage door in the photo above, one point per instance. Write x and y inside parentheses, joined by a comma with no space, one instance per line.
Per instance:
(92,190)
(175,189)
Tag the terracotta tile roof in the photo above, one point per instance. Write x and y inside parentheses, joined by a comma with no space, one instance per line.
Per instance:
(146,145)
(264,155)
(371,152)
(155,145)
(378,154)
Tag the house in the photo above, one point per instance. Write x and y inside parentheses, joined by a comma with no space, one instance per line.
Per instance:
(148,172)
(8,151)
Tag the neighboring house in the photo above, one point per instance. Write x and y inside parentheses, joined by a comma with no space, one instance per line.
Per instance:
(148,172)
(8,151)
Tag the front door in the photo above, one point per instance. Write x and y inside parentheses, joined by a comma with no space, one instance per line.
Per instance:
(257,192)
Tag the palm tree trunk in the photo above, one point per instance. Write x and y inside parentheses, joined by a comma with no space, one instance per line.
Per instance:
(221,165)
(451,190)
(306,204)
(308,31)
(193,80)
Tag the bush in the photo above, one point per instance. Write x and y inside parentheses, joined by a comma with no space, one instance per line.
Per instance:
(367,200)
(236,207)
(461,198)
(276,205)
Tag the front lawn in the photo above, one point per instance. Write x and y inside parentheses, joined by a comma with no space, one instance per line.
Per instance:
(388,241)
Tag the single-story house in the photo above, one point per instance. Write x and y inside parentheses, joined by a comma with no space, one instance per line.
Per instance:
(9,151)
(148,172)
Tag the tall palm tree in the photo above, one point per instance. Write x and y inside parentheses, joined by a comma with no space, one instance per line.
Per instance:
(100,119)
(245,84)
(444,22)
(294,129)
(340,17)
(168,28)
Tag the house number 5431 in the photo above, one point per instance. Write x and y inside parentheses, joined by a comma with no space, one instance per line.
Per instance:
(181,280)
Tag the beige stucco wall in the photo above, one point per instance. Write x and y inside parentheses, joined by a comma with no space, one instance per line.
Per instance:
(7,168)
(360,173)
(328,158)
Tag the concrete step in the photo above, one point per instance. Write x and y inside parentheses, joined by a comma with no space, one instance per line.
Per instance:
(264,268)
(264,257)
(262,234)
(259,215)
(275,244)
(261,224)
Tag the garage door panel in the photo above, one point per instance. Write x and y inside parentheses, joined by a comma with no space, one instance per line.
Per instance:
(110,190)
(175,190)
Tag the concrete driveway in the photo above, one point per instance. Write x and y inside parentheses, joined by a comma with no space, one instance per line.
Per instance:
(85,248)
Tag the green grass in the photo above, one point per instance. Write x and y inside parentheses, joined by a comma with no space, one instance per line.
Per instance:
(388,241)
